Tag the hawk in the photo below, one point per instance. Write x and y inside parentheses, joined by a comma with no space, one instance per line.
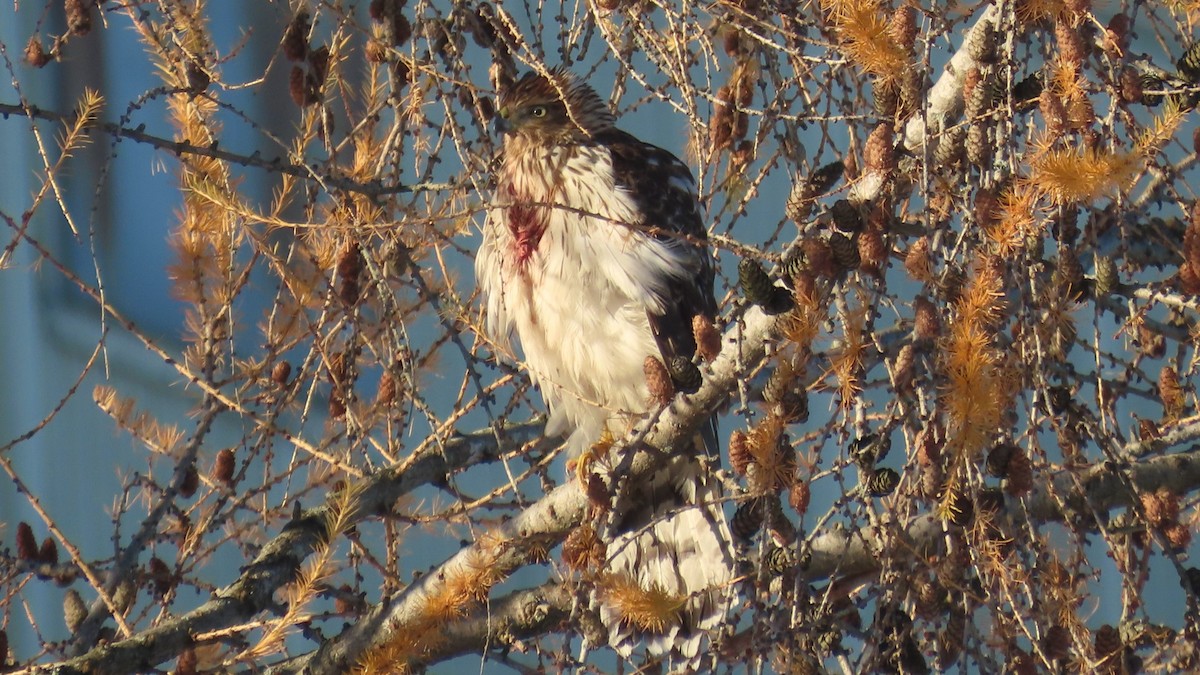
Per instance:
(594,256)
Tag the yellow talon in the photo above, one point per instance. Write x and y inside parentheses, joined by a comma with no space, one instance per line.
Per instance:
(588,457)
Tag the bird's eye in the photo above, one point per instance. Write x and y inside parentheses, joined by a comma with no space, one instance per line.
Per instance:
(538,111)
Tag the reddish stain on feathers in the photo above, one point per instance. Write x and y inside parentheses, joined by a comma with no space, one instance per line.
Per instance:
(527,222)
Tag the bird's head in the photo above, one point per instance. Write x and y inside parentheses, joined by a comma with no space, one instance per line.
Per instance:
(553,108)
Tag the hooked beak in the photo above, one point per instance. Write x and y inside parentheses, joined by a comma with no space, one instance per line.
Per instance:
(501,121)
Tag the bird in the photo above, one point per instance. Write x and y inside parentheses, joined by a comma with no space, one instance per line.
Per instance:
(594,256)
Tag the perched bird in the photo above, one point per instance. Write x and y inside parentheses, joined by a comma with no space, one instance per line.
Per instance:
(595,257)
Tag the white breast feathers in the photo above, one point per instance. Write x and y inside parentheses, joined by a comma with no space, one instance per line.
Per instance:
(566,264)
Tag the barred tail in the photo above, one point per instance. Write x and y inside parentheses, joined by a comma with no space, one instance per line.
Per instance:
(672,537)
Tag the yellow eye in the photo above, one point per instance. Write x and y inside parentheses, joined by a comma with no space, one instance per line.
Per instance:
(538,111)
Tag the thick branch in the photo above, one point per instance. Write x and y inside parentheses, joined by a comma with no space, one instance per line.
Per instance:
(543,609)
(280,559)
(945,99)
(527,613)
(546,522)
(942,105)
(551,518)
(847,553)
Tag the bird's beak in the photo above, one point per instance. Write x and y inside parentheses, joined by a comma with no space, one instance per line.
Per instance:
(501,121)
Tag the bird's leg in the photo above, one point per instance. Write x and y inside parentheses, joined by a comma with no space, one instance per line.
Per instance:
(597,452)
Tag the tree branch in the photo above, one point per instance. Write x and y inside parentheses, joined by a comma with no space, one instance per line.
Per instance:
(1060,499)
(527,613)
(280,560)
(544,609)
(945,99)
(213,151)
(546,522)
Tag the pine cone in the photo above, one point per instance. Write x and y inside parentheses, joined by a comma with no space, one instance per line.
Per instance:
(739,452)
(845,252)
(684,374)
(846,217)
(879,153)
(904,369)
(882,482)
(295,38)
(1108,649)
(74,609)
(48,551)
(224,466)
(1189,64)
(658,381)
(873,251)
(708,338)
(1170,392)
(748,519)
(1068,273)
(902,27)
(1107,279)
(998,458)
(927,324)
(27,546)
(779,561)
(918,262)
(1020,474)
(819,257)
(799,495)
(1056,642)
(36,56)
(281,372)
(759,289)
(1178,534)
(823,179)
